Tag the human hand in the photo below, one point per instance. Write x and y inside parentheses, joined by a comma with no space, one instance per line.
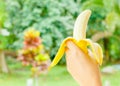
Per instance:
(82,67)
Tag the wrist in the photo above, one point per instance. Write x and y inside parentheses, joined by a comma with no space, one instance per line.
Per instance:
(95,80)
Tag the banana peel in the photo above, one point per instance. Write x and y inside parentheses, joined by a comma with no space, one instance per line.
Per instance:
(79,38)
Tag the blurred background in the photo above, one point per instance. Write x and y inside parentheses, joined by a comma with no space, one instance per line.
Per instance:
(54,19)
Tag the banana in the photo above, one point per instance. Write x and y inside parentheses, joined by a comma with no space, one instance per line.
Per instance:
(79,38)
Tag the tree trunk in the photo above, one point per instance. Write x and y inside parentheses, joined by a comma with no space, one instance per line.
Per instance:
(106,46)
(3,65)
(100,35)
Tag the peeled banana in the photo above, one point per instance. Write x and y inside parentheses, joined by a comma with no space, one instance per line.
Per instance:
(79,38)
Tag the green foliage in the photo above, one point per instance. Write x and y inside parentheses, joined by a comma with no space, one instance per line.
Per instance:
(105,17)
(113,25)
(3,39)
(3,42)
(55,19)
(3,13)
(96,22)
(114,45)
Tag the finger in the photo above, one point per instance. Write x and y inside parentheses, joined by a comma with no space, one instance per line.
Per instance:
(70,50)
(71,46)
(91,56)
(69,55)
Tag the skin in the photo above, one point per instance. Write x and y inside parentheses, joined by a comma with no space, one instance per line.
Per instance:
(81,67)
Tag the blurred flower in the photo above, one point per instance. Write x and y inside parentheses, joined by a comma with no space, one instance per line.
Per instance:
(33,52)
(31,38)
(31,33)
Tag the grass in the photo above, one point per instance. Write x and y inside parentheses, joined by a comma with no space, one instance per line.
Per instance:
(58,76)
(114,79)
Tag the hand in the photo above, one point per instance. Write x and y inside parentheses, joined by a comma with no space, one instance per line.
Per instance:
(82,67)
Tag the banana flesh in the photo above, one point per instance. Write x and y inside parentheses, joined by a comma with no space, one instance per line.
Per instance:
(79,38)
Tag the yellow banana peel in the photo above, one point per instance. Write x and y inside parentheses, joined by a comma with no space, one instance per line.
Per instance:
(79,38)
